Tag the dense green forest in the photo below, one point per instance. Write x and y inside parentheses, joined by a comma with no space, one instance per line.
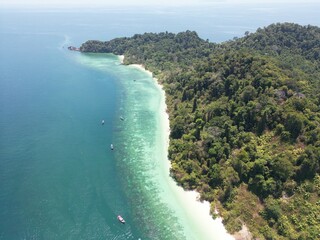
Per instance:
(245,122)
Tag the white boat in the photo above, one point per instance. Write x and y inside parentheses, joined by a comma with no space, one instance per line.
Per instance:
(102,122)
(111,146)
(121,219)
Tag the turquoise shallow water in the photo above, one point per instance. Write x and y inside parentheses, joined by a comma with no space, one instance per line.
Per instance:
(138,149)
(58,177)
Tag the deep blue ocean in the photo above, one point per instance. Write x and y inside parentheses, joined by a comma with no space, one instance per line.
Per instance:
(59,179)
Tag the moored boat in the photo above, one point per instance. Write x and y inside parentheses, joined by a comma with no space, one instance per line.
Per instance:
(111,146)
(72,48)
(121,219)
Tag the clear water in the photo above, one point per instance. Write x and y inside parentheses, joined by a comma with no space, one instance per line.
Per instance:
(59,179)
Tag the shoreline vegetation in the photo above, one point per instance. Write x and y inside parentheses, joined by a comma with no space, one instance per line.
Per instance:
(244,122)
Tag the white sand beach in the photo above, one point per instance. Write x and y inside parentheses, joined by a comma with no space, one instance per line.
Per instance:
(121,58)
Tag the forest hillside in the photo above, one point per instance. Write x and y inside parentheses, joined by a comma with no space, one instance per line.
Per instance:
(245,121)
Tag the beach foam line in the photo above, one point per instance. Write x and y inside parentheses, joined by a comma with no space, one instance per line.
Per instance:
(197,213)
(142,68)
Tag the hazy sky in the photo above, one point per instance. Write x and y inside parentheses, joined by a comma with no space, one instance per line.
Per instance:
(136,2)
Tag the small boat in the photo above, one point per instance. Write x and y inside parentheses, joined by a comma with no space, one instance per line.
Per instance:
(72,48)
(102,122)
(111,146)
(121,118)
(121,219)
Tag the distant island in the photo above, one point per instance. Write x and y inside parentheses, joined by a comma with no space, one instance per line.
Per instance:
(245,121)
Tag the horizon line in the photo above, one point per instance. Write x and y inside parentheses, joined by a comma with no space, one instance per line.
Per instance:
(150,4)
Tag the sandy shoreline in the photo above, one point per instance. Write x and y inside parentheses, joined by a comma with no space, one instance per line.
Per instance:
(212,229)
